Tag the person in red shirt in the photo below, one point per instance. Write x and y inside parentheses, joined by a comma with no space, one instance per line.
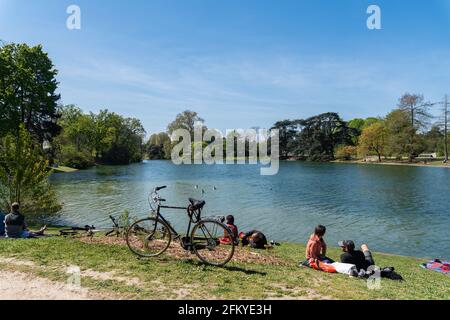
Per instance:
(316,248)
(232,226)
(234,231)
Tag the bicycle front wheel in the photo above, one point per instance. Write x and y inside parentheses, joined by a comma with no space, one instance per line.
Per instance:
(213,242)
(148,237)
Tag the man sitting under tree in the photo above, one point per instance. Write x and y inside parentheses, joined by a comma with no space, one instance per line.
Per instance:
(16,227)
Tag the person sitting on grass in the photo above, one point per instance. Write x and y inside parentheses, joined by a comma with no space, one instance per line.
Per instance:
(16,227)
(316,248)
(230,224)
(234,231)
(361,259)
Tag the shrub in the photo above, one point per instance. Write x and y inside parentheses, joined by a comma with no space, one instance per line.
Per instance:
(70,157)
(346,153)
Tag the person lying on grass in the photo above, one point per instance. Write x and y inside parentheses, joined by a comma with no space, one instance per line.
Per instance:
(255,239)
(364,262)
(16,227)
(316,248)
(361,259)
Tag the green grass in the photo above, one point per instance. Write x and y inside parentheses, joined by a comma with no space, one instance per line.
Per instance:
(170,278)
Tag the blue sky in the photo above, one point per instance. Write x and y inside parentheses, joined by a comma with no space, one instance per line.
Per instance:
(242,63)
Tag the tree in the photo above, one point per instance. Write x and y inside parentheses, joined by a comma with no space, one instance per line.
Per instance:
(28,91)
(320,135)
(433,139)
(373,139)
(357,124)
(370,121)
(346,153)
(398,128)
(105,137)
(288,130)
(158,146)
(24,175)
(417,111)
(185,120)
(124,139)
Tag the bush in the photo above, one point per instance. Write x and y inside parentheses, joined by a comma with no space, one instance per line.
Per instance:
(346,153)
(76,159)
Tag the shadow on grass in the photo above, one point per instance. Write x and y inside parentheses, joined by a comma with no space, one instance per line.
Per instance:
(228,268)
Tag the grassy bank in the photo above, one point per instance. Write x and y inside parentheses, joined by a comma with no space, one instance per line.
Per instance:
(112,271)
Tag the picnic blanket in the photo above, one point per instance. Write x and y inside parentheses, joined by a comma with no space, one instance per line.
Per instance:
(441,266)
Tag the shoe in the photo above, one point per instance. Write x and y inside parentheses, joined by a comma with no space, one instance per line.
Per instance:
(353,273)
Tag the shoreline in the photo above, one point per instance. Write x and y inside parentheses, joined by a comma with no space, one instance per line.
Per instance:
(430,165)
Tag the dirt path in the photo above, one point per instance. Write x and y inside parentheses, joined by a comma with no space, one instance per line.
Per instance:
(16,285)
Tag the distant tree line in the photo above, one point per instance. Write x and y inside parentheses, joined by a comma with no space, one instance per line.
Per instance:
(407,131)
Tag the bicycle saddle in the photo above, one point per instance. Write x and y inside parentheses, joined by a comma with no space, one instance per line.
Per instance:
(196,204)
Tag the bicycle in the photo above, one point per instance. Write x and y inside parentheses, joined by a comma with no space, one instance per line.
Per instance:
(211,240)
(90,231)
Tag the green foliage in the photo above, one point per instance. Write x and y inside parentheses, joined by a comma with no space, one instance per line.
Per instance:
(288,130)
(104,138)
(24,175)
(320,135)
(357,124)
(373,140)
(370,121)
(434,140)
(417,111)
(185,120)
(77,159)
(158,146)
(399,130)
(314,139)
(28,91)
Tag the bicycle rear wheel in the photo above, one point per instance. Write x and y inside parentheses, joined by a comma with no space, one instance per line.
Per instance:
(212,242)
(148,237)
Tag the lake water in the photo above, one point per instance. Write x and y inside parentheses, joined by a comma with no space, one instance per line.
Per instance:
(396,209)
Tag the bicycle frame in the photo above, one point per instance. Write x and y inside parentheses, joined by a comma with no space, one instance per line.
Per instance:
(191,214)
